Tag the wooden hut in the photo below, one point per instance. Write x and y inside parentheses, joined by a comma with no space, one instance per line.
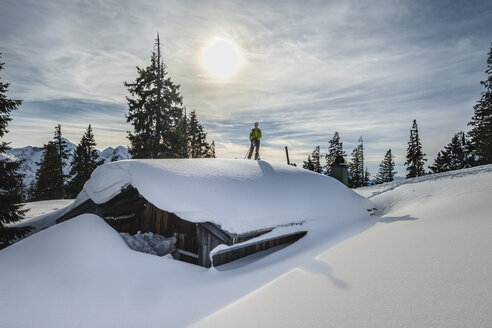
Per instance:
(130,212)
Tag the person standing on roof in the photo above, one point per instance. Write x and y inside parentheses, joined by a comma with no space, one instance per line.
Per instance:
(254,137)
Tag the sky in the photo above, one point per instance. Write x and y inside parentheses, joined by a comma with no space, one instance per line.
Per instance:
(308,69)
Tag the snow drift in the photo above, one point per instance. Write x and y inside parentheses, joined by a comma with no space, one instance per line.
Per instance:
(238,195)
(425,263)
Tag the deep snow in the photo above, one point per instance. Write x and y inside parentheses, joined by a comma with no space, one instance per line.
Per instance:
(426,263)
(423,263)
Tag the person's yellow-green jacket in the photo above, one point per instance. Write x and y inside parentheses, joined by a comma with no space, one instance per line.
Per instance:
(255,134)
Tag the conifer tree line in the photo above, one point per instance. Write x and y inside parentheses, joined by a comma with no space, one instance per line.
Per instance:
(357,172)
(464,150)
(455,155)
(161,127)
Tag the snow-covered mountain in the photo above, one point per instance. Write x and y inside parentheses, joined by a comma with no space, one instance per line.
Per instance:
(111,154)
(30,156)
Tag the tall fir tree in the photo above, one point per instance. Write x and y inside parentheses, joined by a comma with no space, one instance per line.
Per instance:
(441,163)
(386,171)
(316,160)
(415,156)
(357,175)
(481,133)
(335,149)
(315,156)
(468,153)
(84,162)
(61,146)
(197,138)
(10,180)
(154,111)
(49,182)
(455,152)
(308,165)
(212,149)
(313,162)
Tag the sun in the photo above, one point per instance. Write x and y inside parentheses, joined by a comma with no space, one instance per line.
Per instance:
(221,58)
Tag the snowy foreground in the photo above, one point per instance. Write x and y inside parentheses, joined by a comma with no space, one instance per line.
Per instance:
(423,262)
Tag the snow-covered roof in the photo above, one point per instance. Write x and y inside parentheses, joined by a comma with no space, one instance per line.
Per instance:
(238,195)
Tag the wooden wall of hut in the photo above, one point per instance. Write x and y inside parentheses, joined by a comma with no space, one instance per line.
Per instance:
(169,224)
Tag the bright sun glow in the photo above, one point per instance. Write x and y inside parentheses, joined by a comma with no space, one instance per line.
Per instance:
(221,58)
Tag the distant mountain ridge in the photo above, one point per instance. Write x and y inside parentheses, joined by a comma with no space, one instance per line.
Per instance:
(30,156)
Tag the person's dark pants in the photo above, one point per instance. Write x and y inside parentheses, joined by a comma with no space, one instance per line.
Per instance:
(254,143)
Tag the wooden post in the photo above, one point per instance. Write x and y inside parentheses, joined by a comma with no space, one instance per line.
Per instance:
(287,153)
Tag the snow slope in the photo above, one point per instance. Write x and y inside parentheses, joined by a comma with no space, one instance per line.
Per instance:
(42,214)
(238,195)
(426,263)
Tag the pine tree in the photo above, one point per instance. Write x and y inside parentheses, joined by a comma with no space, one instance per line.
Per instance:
(212,149)
(468,153)
(386,171)
(313,162)
(335,149)
(455,152)
(316,160)
(441,163)
(308,165)
(10,180)
(356,167)
(84,162)
(61,147)
(415,156)
(197,138)
(49,182)
(154,111)
(481,133)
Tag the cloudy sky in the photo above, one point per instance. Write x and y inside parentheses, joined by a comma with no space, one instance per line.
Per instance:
(309,68)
